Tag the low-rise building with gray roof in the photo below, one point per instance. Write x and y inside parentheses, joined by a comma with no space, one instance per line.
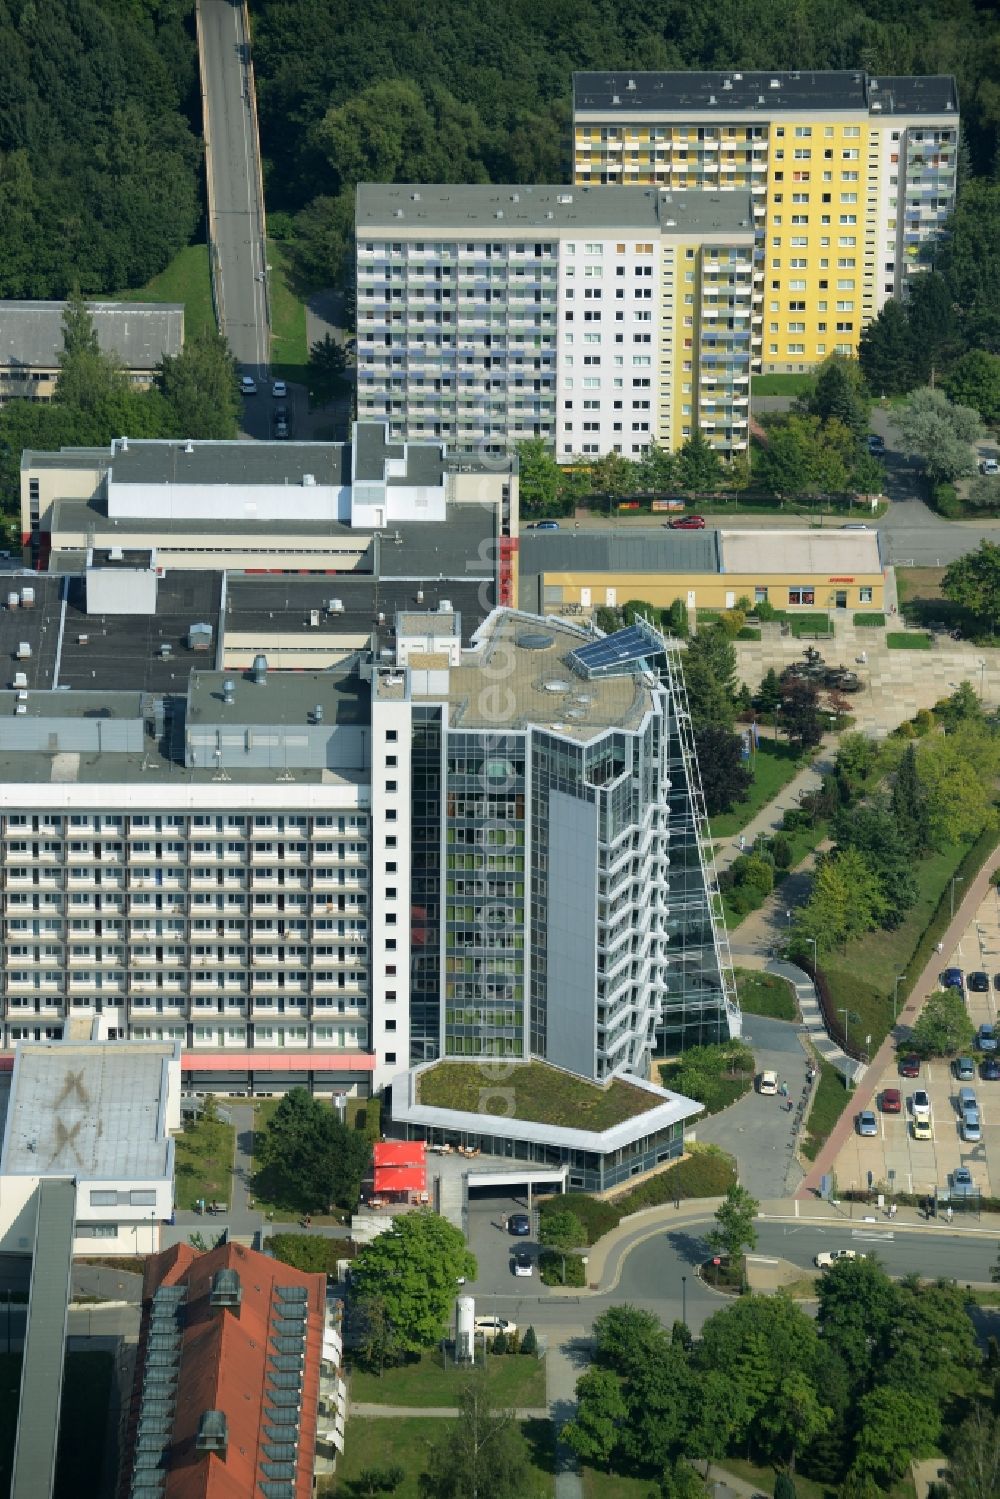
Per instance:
(138,334)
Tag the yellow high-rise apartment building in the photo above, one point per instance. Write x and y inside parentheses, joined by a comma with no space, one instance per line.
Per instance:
(852,178)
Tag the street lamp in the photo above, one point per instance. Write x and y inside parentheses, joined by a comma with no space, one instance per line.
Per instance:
(895,995)
(848,1016)
(956,879)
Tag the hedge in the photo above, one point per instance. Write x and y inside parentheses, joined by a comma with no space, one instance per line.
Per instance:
(706,1172)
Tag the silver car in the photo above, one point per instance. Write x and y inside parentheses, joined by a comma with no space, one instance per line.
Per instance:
(867,1123)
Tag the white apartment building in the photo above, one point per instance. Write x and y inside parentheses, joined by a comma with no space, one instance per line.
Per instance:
(598,320)
(852,177)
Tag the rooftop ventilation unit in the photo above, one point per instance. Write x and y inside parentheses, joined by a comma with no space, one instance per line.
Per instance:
(712,99)
(616,99)
(775,82)
(631,85)
(123,444)
(189,447)
(415,197)
(727,83)
(445,606)
(335,606)
(318,713)
(228,691)
(499,213)
(259,670)
(308,481)
(199,637)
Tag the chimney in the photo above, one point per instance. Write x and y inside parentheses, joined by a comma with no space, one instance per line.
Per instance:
(213,1433)
(259,670)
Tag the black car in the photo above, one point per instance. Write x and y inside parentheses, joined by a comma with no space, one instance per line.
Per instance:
(876,444)
(519,1224)
(990,1071)
(978,982)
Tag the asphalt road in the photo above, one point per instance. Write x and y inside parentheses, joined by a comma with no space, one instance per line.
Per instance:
(234,175)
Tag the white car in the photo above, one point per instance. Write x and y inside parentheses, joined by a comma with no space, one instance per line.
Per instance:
(989,466)
(522,1263)
(279,390)
(248,385)
(920,1104)
(828,1257)
(768,1083)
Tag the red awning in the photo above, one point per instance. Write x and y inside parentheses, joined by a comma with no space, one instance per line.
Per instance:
(292,1060)
(400,1179)
(401,1153)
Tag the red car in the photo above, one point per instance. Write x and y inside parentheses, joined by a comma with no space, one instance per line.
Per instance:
(909,1067)
(687,523)
(892,1102)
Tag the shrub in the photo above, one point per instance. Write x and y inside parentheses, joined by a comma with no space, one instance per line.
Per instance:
(596,1217)
(380,1480)
(550,1269)
(765,612)
(529,1343)
(707,1172)
(608,620)
(500,1342)
(781,851)
(784,1488)
(747,633)
(946,501)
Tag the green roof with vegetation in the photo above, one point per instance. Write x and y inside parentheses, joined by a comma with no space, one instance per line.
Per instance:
(543,1094)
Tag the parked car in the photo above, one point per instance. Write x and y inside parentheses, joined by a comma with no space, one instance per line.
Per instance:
(987,1040)
(996,981)
(545,525)
(279,390)
(867,1123)
(876,444)
(687,523)
(828,1257)
(989,466)
(953,978)
(961,1182)
(523,1263)
(964,1069)
(990,1070)
(922,1129)
(768,1083)
(492,1325)
(971,1129)
(967,1100)
(519,1224)
(248,385)
(978,982)
(856,525)
(909,1066)
(892,1101)
(920,1104)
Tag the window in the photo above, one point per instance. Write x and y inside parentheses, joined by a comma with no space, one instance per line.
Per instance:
(864,595)
(103,1199)
(804,594)
(142,1197)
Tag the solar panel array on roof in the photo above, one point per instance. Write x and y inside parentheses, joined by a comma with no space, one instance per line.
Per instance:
(283,1396)
(164,1340)
(617,655)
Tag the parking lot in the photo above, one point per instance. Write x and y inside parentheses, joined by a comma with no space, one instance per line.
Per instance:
(921,1166)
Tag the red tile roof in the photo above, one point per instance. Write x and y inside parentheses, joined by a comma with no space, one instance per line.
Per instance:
(224,1366)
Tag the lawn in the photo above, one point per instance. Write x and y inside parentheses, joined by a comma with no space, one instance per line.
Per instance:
(861,975)
(910,641)
(805,1488)
(516,1380)
(83,1424)
(532,1090)
(830,1102)
(870,621)
(803,625)
(773,766)
(765,994)
(782,385)
(204,1163)
(186,280)
(406,1440)
(597,1485)
(289,349)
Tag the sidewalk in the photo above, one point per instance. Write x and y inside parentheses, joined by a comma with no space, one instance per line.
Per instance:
(768,819)
(812,1018)
(764,932)
(926,985)
(446,1412)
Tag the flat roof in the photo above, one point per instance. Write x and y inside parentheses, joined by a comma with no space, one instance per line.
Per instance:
(90,1109)
(268,606)
(236,462)
(539,685)
(841,552)
(774,92)
(372,451)
(140,333)
(631,551)
(37,627)
(125,650)
(514,208)
(285,698)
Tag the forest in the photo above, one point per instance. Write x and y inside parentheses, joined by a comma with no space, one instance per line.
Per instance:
(100,155)
(440,90)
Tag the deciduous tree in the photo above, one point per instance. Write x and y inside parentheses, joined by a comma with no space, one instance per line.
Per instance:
(973,580)
(940,433)
(943,1027)
(734,1231)
(483,1453)
(595,1432)
(725,775)
(414,1268)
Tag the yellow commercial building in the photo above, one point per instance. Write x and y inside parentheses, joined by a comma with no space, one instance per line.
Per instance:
(852,178)
(835,571)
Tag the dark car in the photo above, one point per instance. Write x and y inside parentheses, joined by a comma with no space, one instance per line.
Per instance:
(953,978)
(876,444)
(987,1038)
(519,1224)
(545,525)
(990,1071)
(687,523)
(979,982)
(909,1066)
(964,1069)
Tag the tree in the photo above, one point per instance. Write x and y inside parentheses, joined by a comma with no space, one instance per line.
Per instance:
(725,775)
(307,1157)
(896,1425)
(718,1413)
(872,830)
(932,1342)
(539,478)
(656,469)
(974,1470)
(795,1416)
(769,693)
(845,901)
(974,380)
(857,1305)
(800,714)
(624,1336)
(931,316)
(614,477)
(377,1337)
(974,582)
(595,1432)
(381,1480)
(959,805)
(79,333)
(983,493)
(753,1346)
(710,677)
(909,803)
(561,1232)
(886,353)
(414,1268)
(699,470)
(838,395)
(940,433)
(200,387)
(326,371)
(784,1487)
(680,1481)
(483,1453)
(735,1228)
(943,1026)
